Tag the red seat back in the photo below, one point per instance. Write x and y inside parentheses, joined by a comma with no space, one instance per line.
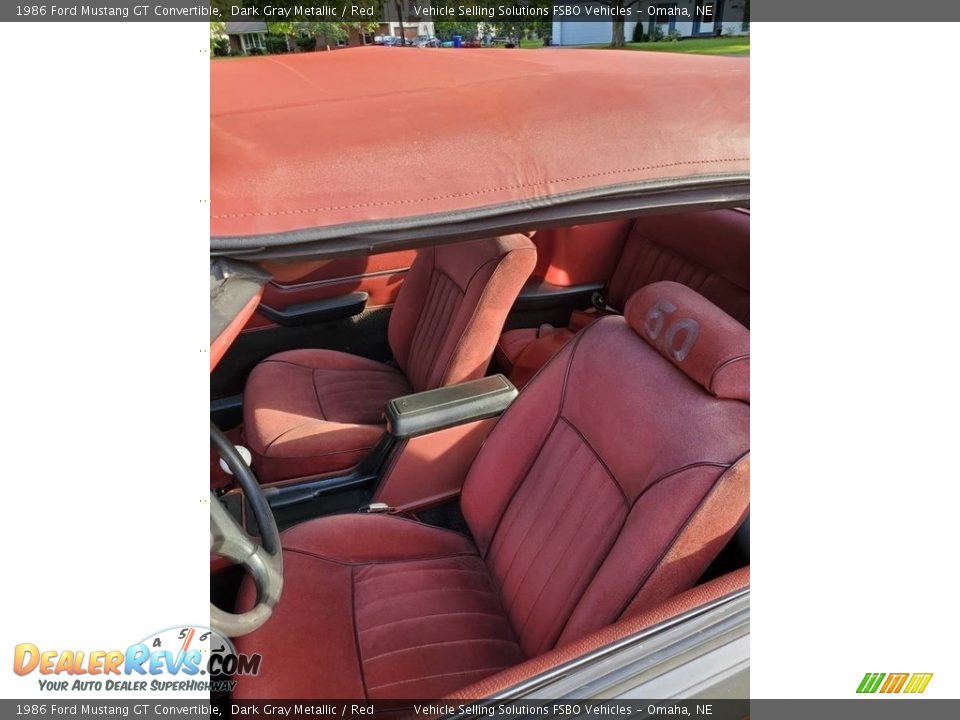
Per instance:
(452,306)
(706,251)
(620,471)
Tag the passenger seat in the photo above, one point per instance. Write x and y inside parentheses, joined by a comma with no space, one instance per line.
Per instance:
(311,412)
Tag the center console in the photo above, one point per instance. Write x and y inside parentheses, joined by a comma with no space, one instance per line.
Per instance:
(438,433)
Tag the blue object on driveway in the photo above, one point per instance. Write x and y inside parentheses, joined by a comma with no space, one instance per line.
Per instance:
(458,41)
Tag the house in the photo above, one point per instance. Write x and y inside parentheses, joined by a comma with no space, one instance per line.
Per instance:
(245,36)
(411,30)
(686,18)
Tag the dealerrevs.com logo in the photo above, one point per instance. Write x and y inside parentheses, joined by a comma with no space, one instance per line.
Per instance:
(910,683)
(186,658)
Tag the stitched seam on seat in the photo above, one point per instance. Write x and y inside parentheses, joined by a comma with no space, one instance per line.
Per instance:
(721,366)
(328,369)
(443,642)
(590,447)
(427,310)
(362,581)
(559,558)
(476,309)
(522,543)
(355,398)
(435,615)
(426,256)
(353,386)
(677,471)
(441,675)
(596,569)
(434,591)
(400,518)
(439,334)
(348,563)
(436,306)
(438,300)
(506,506)
(288,431)
(356,633)
(308,457)
(643,581)
(507,530)
(316,394)
(563,393)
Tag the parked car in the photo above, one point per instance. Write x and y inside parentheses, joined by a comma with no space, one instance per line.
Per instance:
(426,41)
(480,330)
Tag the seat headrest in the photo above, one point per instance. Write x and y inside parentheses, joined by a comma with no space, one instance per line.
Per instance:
(709,346)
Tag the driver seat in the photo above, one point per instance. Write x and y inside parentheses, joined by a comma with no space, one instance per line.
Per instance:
(608,487)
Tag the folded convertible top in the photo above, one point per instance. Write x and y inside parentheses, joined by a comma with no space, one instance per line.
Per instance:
(332,144)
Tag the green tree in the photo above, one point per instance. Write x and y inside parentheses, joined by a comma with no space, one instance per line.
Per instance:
(618,39)
(219,42)
(325,33)
(446,30)
(517,31)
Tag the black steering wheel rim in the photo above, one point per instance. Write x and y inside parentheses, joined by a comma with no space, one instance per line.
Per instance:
(262,559)
(269,532)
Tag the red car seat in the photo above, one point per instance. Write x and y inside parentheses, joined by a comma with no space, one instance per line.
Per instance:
(706,251)
(309,412)
(607,487)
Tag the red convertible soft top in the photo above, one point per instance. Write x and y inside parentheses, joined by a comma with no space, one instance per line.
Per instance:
(361,141)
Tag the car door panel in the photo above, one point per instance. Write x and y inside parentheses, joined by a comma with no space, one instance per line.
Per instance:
(380,276)
(340,304)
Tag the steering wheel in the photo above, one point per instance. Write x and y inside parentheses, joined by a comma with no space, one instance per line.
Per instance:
(263,560)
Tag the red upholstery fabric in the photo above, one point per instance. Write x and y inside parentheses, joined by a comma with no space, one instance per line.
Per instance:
(451,308)
(677,605)
(610,484)
(310,412)
(379,607)
(579,254)
(535,355)
(618,449)
(708,345)
(315,411)
(706,251)
(430,469)
(511,344)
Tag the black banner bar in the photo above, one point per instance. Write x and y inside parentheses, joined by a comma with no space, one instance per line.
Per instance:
(859,11)
(873,708)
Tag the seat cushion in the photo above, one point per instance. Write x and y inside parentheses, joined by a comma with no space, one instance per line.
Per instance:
(511,344)
(378,607)
(535,355)
(309,412)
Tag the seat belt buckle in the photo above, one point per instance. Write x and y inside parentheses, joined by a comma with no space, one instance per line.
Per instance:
(600,303)
(376,508)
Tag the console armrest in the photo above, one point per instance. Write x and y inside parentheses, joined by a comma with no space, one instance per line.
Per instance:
(433,410)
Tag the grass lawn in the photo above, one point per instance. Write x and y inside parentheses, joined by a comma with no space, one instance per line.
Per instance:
(698,46)
(531,43)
